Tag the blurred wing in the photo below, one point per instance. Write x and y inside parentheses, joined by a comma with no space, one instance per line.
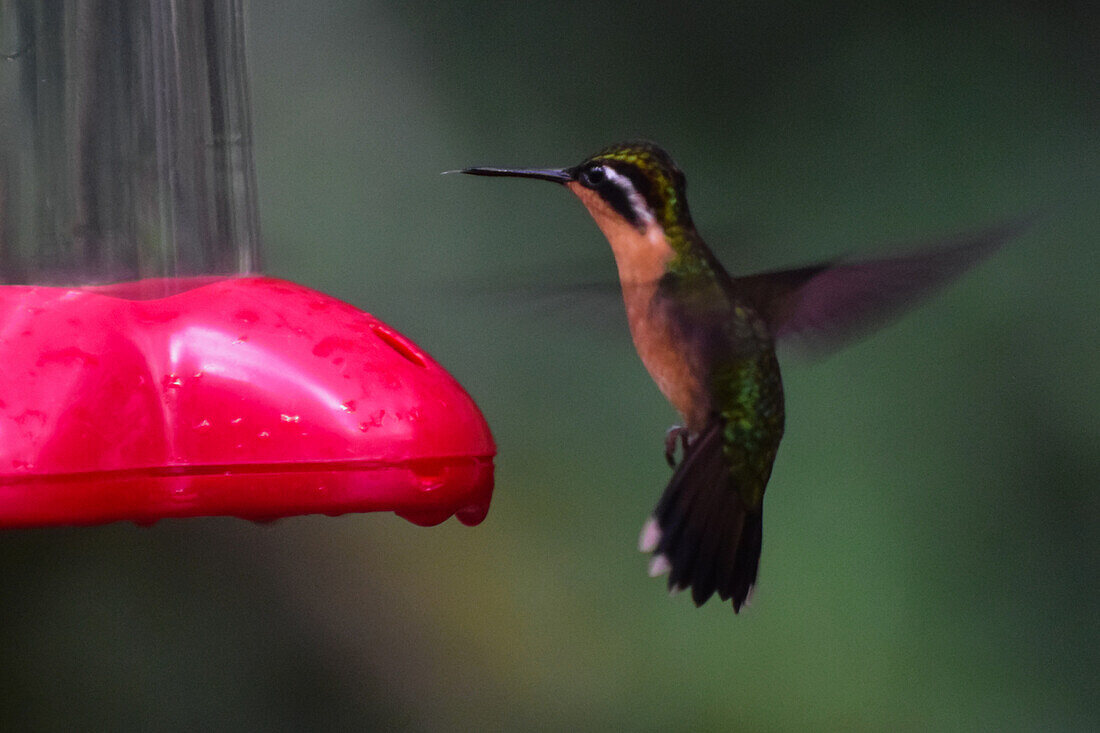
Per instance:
(553,294)
(830,304)
(597,306)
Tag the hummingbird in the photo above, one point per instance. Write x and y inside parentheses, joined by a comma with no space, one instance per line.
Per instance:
(708,340)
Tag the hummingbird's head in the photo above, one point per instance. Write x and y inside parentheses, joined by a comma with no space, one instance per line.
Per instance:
(635,192)
(636,183)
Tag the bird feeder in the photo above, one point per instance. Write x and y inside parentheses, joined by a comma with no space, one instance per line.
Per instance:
(146,370)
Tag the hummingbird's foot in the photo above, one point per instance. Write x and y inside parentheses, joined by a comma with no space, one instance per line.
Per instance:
(674,433)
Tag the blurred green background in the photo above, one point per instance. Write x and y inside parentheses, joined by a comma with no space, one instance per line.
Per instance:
(931,545)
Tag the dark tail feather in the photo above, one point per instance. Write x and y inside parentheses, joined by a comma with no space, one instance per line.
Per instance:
(742,578)
(701,531)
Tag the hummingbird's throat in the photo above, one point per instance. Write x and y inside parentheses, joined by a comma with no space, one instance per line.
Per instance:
(642,253)
(643,257)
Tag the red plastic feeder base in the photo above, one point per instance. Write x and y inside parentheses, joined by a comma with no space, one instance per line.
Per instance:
(249,397)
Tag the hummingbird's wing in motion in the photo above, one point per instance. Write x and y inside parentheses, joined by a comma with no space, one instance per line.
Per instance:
(830,304)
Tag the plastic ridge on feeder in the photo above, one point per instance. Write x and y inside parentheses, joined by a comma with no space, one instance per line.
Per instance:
(145,372)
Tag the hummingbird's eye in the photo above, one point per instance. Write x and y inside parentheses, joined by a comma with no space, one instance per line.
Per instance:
(593,177)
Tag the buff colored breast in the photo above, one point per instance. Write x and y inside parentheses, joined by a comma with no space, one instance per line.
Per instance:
(642,258)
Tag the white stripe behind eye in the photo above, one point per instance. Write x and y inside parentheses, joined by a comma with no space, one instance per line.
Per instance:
(637,202)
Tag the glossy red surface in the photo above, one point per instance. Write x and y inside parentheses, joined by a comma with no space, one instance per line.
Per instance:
(251,397)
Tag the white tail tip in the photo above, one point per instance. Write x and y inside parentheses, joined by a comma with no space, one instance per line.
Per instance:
(658,566)
(650,536)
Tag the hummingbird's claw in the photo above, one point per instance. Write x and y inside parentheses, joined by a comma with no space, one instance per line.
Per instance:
(674,433)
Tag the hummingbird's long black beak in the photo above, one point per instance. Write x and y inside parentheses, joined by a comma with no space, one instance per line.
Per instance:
(557,175)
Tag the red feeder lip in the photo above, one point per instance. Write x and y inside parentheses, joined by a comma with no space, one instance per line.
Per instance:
(250,397)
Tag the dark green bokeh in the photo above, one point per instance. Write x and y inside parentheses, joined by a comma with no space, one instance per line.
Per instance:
(931,544)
